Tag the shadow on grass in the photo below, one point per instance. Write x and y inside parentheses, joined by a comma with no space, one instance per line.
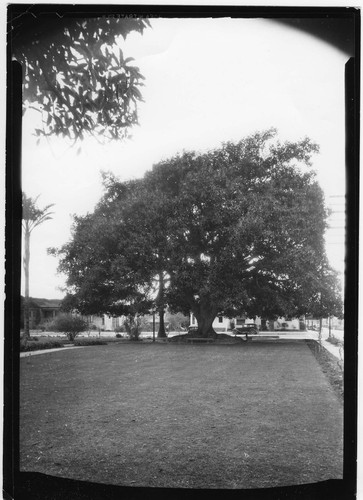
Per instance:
(37,486)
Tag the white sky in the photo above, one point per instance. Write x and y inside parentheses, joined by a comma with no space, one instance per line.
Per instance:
(207,81)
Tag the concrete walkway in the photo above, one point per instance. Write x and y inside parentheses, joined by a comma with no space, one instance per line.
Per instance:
(45,351)
(337,351)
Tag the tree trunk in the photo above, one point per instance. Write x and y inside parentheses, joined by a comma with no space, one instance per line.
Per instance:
(161,331)
(160,301)
(26,278)
(205,317)
(263,324)
(271,325)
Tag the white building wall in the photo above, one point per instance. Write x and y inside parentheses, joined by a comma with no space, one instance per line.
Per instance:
(105,322)
(223,324)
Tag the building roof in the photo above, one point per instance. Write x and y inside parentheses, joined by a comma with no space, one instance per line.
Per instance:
(44,303)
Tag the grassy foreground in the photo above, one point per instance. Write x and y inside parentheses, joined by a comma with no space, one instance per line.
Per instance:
(253,415)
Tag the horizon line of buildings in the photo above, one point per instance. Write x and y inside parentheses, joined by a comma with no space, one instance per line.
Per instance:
(43,311)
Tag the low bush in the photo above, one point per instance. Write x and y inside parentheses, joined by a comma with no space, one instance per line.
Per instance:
(334,341)
(29,346)
(118,335)
(70,325)
(86,342)
(119,329)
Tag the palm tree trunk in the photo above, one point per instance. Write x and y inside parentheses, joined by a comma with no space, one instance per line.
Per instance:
(26,277)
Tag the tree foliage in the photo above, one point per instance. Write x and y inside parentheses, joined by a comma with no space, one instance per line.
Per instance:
(106,268)
(33,216)
(177,321)
(76,74)
(239,229)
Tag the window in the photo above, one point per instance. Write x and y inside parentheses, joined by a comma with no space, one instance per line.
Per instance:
(220,319)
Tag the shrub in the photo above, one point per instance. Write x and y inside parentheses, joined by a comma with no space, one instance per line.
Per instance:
(46,326)
(177,322)
(334,341)
(70,325)
(132,324)
(25,347)
(118,335)
(86,342)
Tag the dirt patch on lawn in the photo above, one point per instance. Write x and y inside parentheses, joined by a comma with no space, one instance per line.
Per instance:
(331,366)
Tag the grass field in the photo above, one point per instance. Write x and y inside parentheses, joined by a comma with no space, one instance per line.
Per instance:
(252,415)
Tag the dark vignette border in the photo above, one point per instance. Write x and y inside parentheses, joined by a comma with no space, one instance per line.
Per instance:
(340,27)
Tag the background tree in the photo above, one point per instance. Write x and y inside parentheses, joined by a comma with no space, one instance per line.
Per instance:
(325,297)
(146,227)
(107,271)
(75,72)
(32,217)
(116,259)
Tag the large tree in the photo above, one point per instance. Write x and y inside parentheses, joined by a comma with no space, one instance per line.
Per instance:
(239,229)
(32,217)
(245,228)
(75,73)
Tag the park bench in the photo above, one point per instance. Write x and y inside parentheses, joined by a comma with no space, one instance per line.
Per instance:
(249,331)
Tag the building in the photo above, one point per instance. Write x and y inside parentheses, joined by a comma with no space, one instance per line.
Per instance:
(104,322)
(223,324)
(41,311)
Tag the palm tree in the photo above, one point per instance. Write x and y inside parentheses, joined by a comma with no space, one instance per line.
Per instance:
(32,217)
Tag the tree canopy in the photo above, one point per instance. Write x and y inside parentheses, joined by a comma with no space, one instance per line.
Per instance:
(33,216)
(106,271)
(239,229)
(76,75)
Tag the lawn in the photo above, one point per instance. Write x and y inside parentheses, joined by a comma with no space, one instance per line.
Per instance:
(250,415)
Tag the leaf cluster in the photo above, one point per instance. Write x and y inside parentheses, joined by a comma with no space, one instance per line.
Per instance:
(76,75)
(32,215)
